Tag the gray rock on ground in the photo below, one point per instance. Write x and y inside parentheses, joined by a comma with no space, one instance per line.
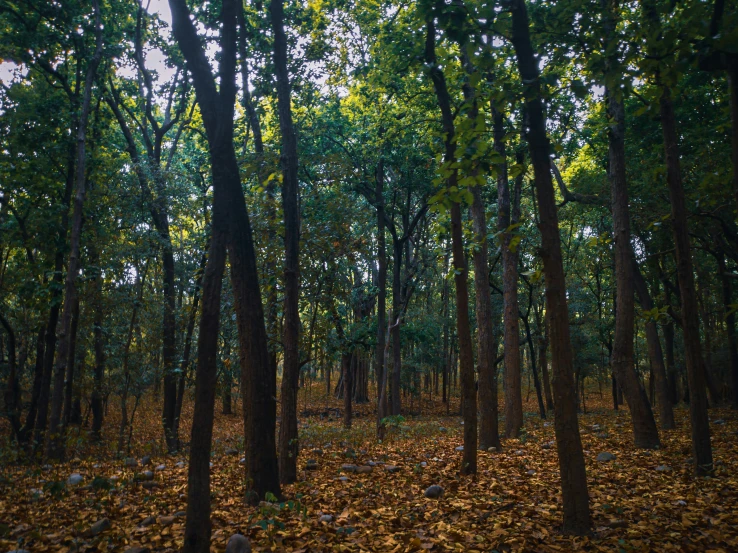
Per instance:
(326,518)
(238,543)
(392,469)
(349,468)
(98,528)
(75,479)
(434,492)
(605,457)
(148,521)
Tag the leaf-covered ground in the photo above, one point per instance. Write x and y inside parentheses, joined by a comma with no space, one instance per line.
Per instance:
(641,500)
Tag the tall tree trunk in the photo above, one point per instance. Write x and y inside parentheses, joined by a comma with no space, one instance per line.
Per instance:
(701,447)
(542,357)
(395,385)
(655,353)
(380,356)
(96,399)
(55,443)
(38,375)
(288,445)
(12,390)
(645,432)
(257,373)
(348,364)
(729,326)
(568,441)
(466,355)
(671,373)
(512,386)
(71,362)
(198,525)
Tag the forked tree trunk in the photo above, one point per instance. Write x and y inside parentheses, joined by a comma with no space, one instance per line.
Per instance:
(701,446)
(568,441)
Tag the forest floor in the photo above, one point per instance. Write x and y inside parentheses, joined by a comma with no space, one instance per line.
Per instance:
(640,501)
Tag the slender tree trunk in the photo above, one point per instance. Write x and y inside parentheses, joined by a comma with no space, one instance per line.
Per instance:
(12,394)
(347,364)
(99,370)
(380,356)
(568,441)
(542,348)
(655,353)
(512,387)
(71,362)
(55,443)
(671,374)
(198,524)
(645,432)
(701,447)
(729,327)
(38,375)
(395,382)
(288,445)
(466,356)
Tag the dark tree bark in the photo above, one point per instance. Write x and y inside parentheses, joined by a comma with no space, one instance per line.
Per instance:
(55,447)
(12,394)
(568,441)
(645,432)
(380,356)
(288,445)
(348,364)
(71,362)
(96,399)
(24,433)
(655,353)
(257,373)
(198,525)
(727,291)
(512,385)
(396,344)
(466,356)
(701,446)
(542,323)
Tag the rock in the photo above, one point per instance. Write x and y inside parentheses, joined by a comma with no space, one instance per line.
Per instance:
(546,424)
(663,468)
(372,464)
(146,461)
(231,451)
(442,429)
(75,479)
(130,462)
(238,543)
(242,461)
(160,468)
(98,528)
(349,468)
(137,549)
(605,457)
(423,464)
(180,514)
(365,469)
(460,448)
(318,451)
(547,445)
(167,521)
(145,476)
(148,521)
(531,472)
(343,478)
(718,421)
(392,469)
(350,453)
(362,451)
(180,465)
(311,464)
(520,453)
(434,492)
(603,435)
(681,503)
(149,485)
(326,518)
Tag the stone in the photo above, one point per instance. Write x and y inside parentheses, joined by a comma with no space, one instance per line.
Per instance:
(98,528)
(326,518)
(663,468)
(460,448)
(160,468)
(681,503)
(364,469)
(180,465)
(343,478)
(137,549)
(311,464)
(149,485)
(423,464)
(434,492)
(605,457)
(318,451)
(442,429)
(718,421)
(238,543)
(180,514)
(372,464)
(130,462)
(349,468)
(520,453)
(242,461)
(531,472)
(75,479)
(392,469)
(167,521)
(547,445)
(145,476)
(146,461)
(231,451)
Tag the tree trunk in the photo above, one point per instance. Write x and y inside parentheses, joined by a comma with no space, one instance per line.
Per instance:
(12,391)
(257,372)
(466,355)
(198,525)
(38,375)
(568,441)
(645,432)
(655,353)
(55,440)
(729,327)
(380,356)
(71,362)
(347,368)
(543,361)
(701,447)
(99,370)
(395,382)
(288,445)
